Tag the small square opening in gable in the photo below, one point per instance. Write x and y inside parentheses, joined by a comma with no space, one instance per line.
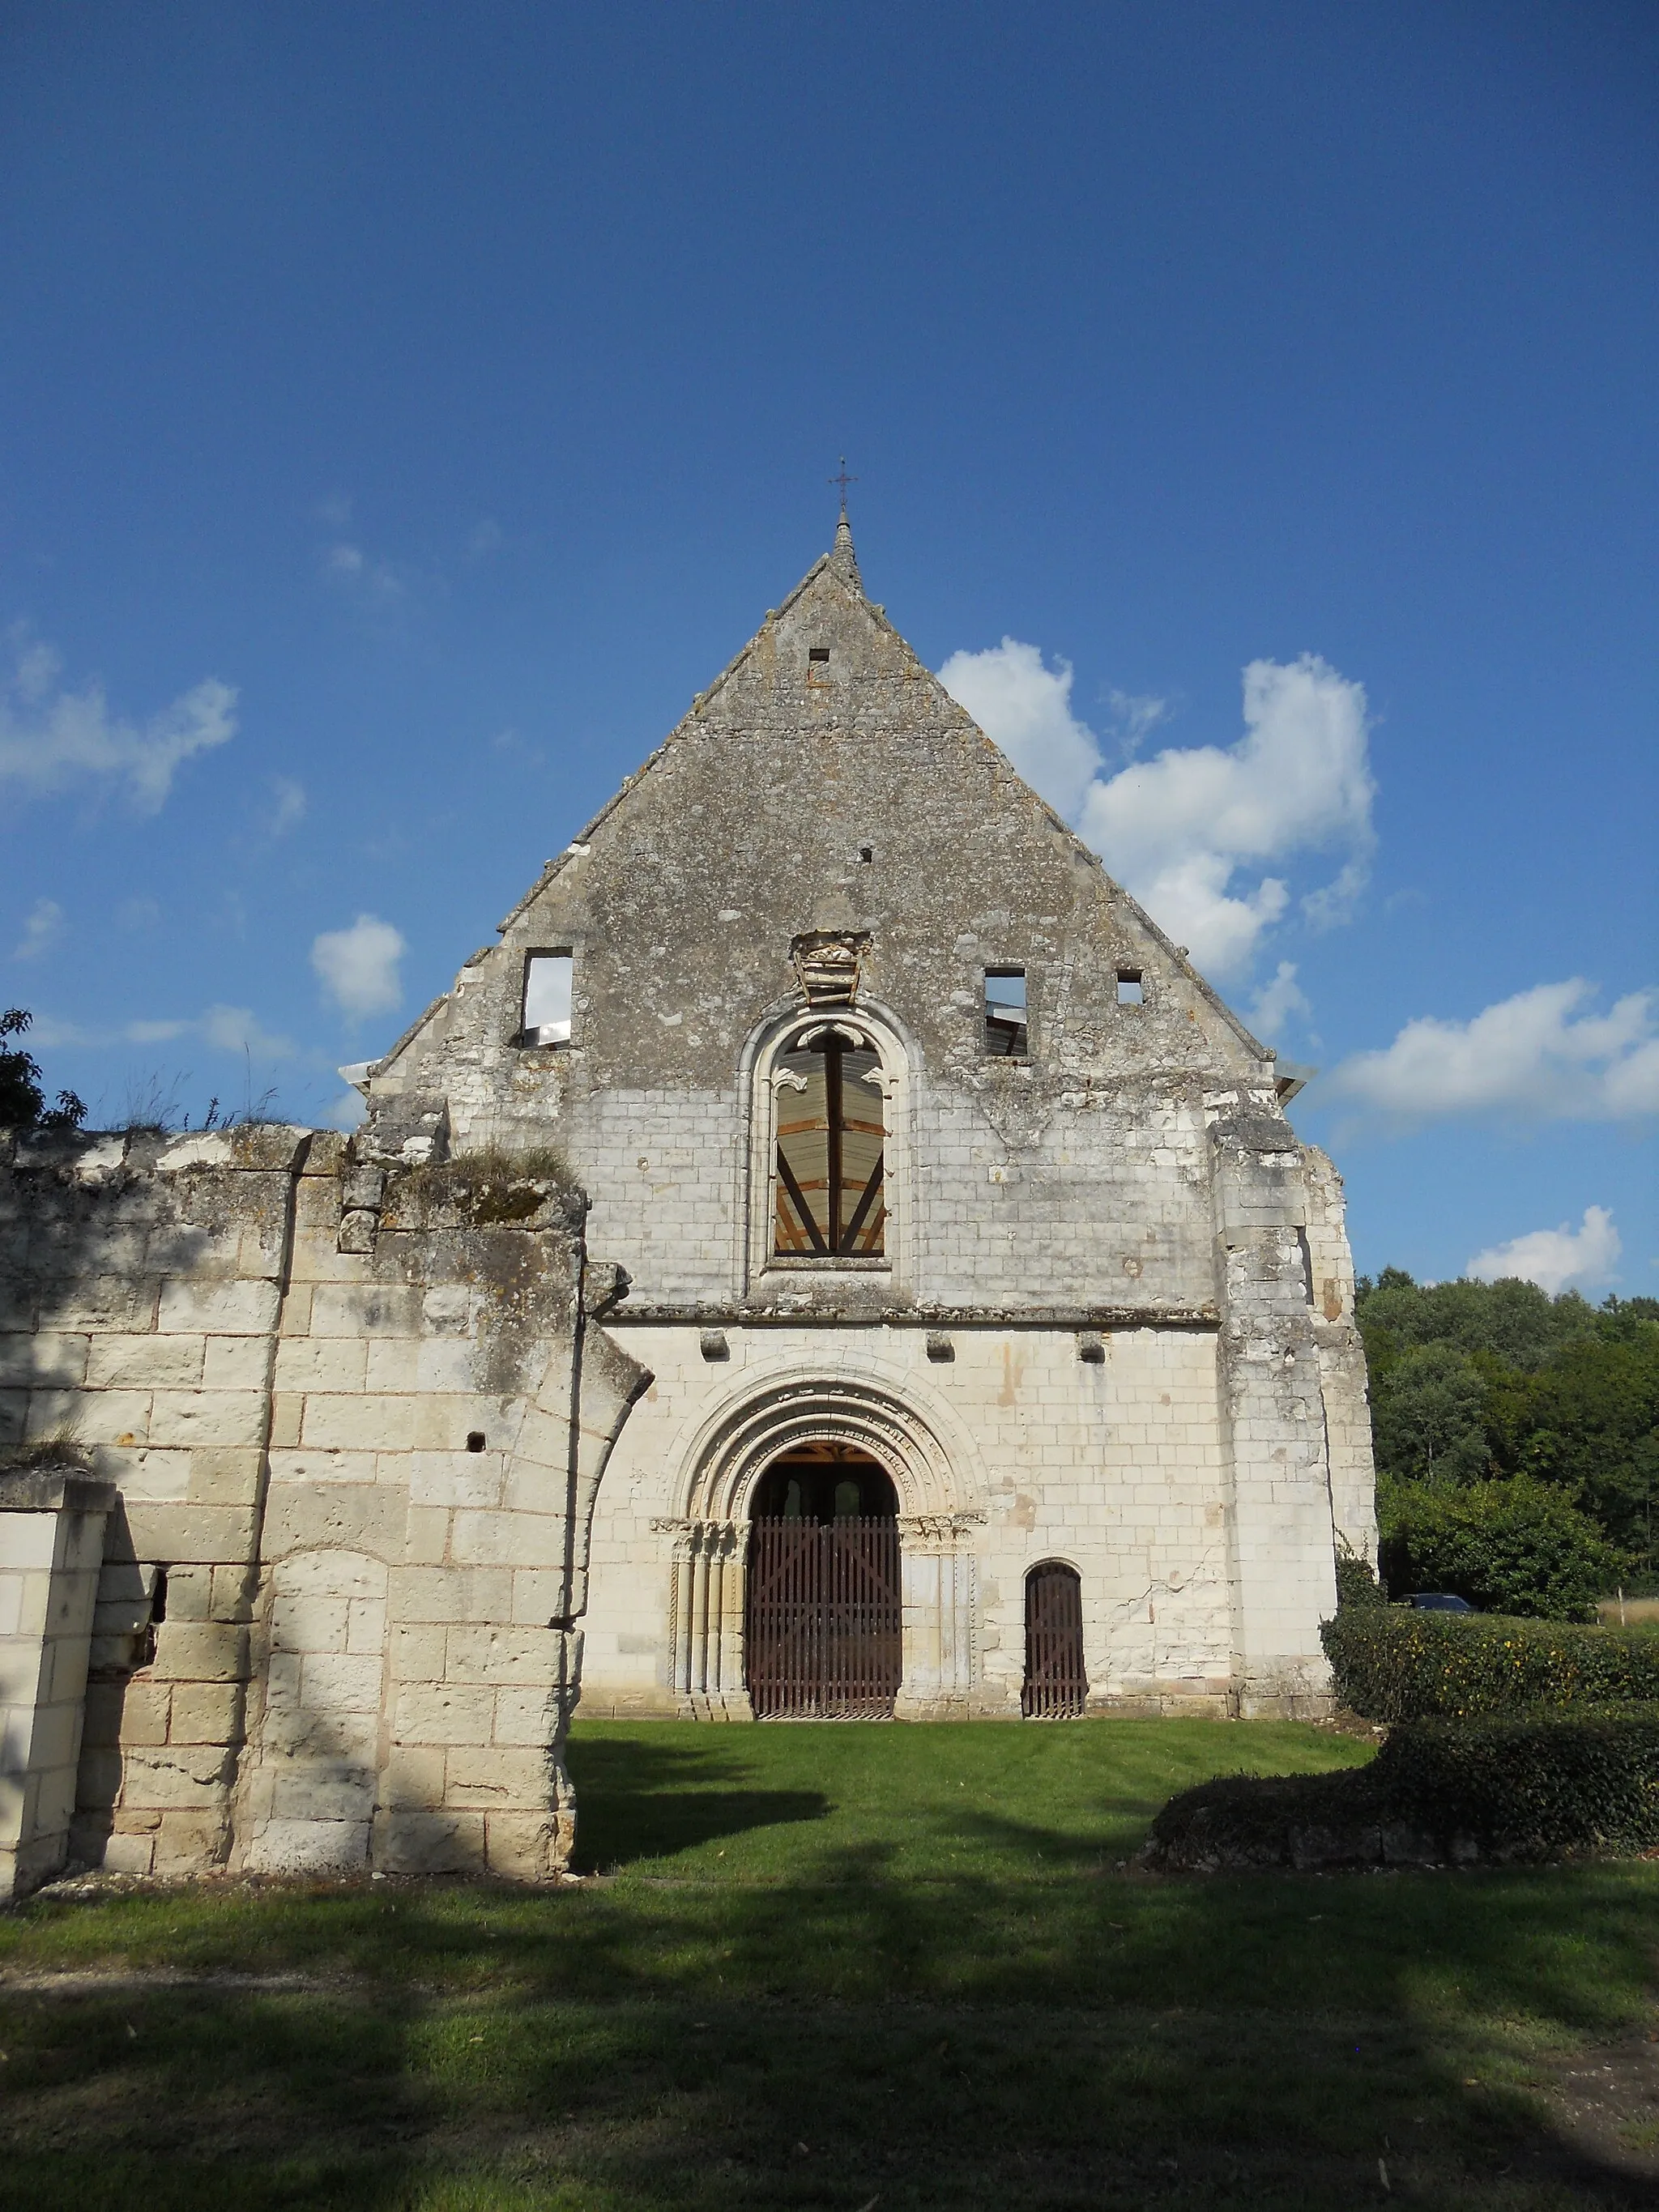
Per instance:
(546,1013)
(1006,1036)
(1131,991)
(817,653)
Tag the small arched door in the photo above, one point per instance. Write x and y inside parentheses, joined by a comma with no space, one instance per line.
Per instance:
(1055,1683)
(823,1633)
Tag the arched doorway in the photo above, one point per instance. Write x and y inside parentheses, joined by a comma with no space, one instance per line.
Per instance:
(1055,1685)
(823,1625)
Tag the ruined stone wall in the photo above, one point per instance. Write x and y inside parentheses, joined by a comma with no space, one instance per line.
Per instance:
(1341,1357)
(354,1412)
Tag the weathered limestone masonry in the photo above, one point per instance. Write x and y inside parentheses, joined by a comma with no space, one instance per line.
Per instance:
(956,1238)
(1097,1308)
(345,1409)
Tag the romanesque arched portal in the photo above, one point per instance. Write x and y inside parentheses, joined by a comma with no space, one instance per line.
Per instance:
(789,1420)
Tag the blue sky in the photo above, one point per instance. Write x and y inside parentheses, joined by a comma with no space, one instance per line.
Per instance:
(405,412)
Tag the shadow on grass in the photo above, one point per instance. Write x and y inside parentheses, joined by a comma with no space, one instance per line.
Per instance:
(649,1801)
(955,2044)
(823,2039)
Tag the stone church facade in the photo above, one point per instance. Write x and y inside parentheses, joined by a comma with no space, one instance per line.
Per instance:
(831,1254)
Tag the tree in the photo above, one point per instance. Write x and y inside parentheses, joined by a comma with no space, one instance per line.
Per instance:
(1429,1417)
(23,1102)
(1515,1321)
(1517,1546)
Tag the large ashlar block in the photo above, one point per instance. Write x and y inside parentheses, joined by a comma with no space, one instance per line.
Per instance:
(51,1532)
(45,1361)
(312,1846)
(201,1651)
(528,1846)
(482,1538)
(443,1713)
(450,1594)
(217,1309)
(491,1775)
(208,1417)
(189,1777)
(214,1533)
(204,1713)
(146,1363)
(418,1839)
(361,1517)
(515,1657)
(224,1475)
(321,1363)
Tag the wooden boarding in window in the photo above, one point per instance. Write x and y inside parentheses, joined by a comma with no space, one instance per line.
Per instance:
(831,1138)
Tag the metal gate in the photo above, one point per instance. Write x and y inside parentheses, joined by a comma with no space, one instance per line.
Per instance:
(823,1625)
(1055,1684)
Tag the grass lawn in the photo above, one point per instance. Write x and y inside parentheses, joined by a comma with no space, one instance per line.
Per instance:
(866,1968)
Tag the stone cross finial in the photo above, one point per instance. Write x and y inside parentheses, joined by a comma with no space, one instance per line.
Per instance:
(842,554)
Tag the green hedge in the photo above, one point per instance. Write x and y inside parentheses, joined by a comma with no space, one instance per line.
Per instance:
(1504,1788)
(1395,1663)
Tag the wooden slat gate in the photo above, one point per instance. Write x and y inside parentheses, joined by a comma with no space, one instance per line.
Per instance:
(823,1627)
(1055,1683)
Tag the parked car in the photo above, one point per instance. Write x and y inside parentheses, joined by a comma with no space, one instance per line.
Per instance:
(1439,1602)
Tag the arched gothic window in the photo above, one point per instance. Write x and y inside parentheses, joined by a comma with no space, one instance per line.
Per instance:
(830,1197)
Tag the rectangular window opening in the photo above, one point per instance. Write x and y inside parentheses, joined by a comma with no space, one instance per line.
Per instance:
(817,653)
(1006,1036)
(1131,992)
(547,978)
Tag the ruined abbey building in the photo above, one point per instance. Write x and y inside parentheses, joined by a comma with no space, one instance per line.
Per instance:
(832,1255)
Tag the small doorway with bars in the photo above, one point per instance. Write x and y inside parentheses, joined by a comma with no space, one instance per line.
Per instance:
(823,1625)
(1055,1685)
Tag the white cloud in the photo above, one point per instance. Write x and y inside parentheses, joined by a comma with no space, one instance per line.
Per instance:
(1026,708)
(1178,830)
(1553,1258)
(1135,716)
(234,1028)
(359,966)
(53,739)
(1535,1056)
(225,1029)
(1277,1001)
(288,806)
(376,582)
(42,931)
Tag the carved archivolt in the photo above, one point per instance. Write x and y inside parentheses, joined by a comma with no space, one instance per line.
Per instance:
(728,1458)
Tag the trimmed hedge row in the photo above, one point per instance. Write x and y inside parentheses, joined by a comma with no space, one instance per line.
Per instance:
(1393,1663)
(1436,1791)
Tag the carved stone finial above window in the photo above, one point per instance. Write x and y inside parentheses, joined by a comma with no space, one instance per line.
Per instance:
(827,967)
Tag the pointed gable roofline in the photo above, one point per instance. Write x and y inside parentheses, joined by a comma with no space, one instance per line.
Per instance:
(841,564)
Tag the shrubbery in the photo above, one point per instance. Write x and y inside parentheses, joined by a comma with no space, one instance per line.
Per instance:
(1356,1580)
(1511,1547)
(1392,1663)
(1510,1788)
